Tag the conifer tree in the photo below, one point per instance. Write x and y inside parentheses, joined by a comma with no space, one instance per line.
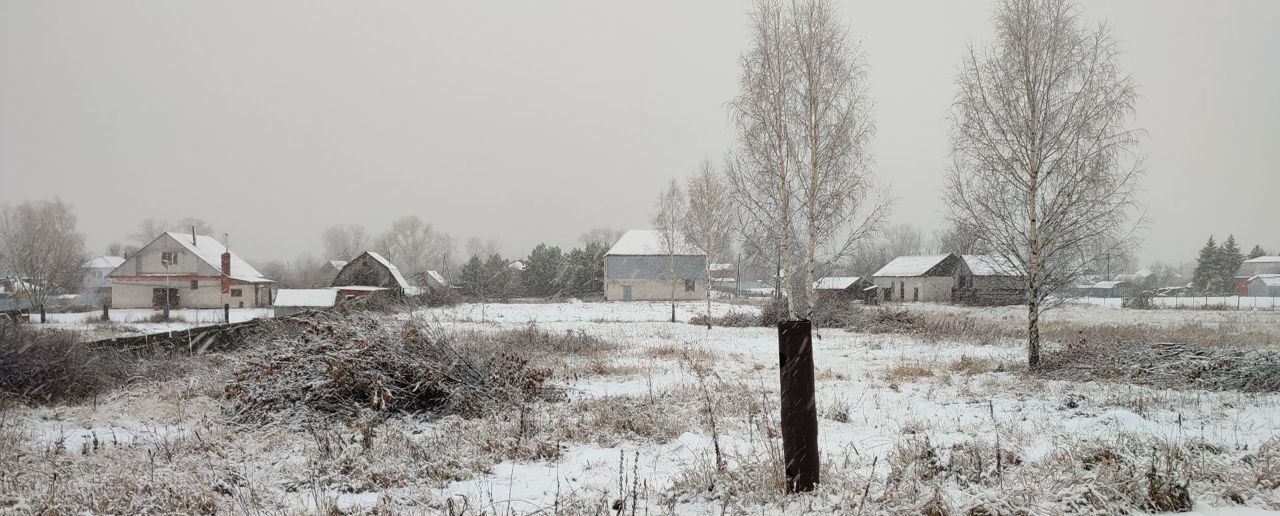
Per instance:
(1229,262)
(1206,266)
(1256,252)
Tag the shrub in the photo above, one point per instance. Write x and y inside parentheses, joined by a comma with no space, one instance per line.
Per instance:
(52,366)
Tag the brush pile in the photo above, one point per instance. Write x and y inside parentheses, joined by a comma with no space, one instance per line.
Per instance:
(346,363)
(1166,365)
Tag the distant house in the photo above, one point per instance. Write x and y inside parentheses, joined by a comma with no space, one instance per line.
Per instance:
(992,281)
(370,269)
(1264,285)
(845,288)
(517,266)
(1254,267)
(922,278)
(434,281)
(638,267)
(1107,289)
(292,301)
(187,271)
(97,272)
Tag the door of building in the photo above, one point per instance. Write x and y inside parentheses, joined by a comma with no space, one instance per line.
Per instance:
(158,298)
(626,292)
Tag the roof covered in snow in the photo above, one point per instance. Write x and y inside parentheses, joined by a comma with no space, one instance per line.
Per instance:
(337,264)
(306,297)
(209,250)
(648,242)
(436,280)
(104,262)
(1270,280)
(989,265)
(395,272)
(909,266)
(835,282)
(1259,265)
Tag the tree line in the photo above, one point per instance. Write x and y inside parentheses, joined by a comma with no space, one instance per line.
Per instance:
(1216,265)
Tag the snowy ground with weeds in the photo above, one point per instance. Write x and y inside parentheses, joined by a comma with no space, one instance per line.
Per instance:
(908,425)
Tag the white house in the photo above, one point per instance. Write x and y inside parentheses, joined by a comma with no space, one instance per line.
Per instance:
(187,271)
(922,278)
(638,267)
(97,270)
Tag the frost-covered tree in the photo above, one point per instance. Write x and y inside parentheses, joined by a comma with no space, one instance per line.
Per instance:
(1230,259)
(1044,166)
(1256,252)
(344,242)
(668,217)
(1205,277)
(708,220)
(41,245)
(542,271)
(584,270)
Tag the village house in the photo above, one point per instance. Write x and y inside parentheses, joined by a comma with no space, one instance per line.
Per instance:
(992,281)
(370,269)
(845,288)
(97,272)
(922,278)
(1254,267)
(187,271)
(638,267)
(1264,285)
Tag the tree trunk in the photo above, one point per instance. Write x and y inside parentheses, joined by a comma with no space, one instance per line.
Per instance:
(708,295)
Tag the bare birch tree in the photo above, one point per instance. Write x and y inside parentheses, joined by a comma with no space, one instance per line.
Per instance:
(831,122)
(760,170)
(41,245)
(802,170)
(1043,165)
(667,221)
(708,223)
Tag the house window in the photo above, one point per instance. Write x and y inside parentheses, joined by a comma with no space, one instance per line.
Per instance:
(888,293)
(915,294)
(195,284)
(688,285)
(235,292)
(168,258)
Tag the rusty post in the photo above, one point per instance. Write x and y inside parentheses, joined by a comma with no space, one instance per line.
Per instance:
(799,408)
(226,312)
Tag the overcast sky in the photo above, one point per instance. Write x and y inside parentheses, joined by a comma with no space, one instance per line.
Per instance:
(535,121)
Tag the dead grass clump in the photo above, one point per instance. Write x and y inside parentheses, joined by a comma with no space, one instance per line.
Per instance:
(354,361)
(729,320)
(970,365)
(908,371)
(681,353)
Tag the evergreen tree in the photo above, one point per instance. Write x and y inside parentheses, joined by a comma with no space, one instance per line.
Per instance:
(472,277)
(497,277)
(1206,266)
(1256,252)
(1230,259)
(584,270)
(543,271)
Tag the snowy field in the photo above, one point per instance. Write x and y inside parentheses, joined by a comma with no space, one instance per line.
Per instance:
(900,418)
(128,322)
(1194,302)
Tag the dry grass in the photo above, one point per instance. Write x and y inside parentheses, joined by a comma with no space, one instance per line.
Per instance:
(908,371)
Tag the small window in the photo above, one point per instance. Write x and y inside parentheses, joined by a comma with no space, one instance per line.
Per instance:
(195,284)
(688,285)
(235,292)
(168,258)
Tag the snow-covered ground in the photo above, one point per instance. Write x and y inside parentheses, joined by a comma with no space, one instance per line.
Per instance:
(127,322)
(879,396)
(1194,302)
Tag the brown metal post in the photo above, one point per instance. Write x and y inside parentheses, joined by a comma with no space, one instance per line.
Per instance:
(799,409)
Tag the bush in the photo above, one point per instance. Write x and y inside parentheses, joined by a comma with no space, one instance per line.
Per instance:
(731,320)
(52,366)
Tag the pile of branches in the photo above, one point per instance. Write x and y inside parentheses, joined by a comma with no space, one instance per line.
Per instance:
(343,363)
(1166,365)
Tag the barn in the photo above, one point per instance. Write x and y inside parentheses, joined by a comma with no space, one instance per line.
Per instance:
(993,280)
(922,278)
(1264,285)
(370,269)
(845,288)
(1254,267)
(639,268)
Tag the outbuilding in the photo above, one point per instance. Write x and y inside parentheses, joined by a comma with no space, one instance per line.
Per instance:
(922,278)
(1254,267)
(370,269)
(1264,285)
(639,267)
(993,280)
(845,288)
(292,301)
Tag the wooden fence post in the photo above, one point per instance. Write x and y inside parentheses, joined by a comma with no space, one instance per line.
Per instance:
(799,418)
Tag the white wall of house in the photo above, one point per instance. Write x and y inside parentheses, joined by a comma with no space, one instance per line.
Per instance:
(653,289)
(207,294)
(931,288)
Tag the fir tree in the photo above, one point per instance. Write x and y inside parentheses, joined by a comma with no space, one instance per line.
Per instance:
(1230,259)
(497,277)
(1256,252)
(472,277)
(544,267)
(1206,266)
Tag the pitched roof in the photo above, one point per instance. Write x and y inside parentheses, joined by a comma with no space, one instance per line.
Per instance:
(337,264)
(908,266)
(648,242)
(318,297)
(395,272)
(436,279)
(209,250)
(104,262)
(1259,265)
(835,282)
(988,265)
(1270,280)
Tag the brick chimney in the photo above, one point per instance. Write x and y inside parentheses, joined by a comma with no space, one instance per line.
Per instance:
(226,272)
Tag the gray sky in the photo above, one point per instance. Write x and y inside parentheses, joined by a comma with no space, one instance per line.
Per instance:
(535,121)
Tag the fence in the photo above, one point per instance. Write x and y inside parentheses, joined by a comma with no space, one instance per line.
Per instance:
(1191,302)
